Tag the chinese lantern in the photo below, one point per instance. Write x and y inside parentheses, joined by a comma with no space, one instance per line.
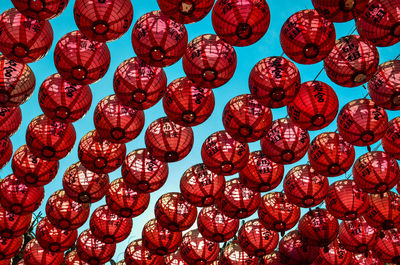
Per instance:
(274,258)
(9,247)
(340,10)
(34,254)
(187,11)
(362,258)
(387,247)
(13,225)
(92,250)
(357,235)
(174,258)
(42,9)
(10,120)
(333,254)
(295,250)
(137,254)
(233,254)
(73,259)
(391,138)
(384,210)
(54,239)
(6,151)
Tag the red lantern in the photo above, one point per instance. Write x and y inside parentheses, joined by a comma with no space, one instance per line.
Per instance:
(172,211)
(333,254)
(277,213)
(103,20)
(304,187)
(209,61)
(391,139)
(168,141)
(83,185)
(352,61)
(238,201)
(50,139)
(187,11)
(340,10)
(10,247)
(73,259)
(362,258)
(224,155)
(330,155)
(187,104)
(124,201)
(137,254)
(24,39)
(197,250)
(42,9)
(233,254)
(361,122)
(62,100)
(10,120)
(142,172)
(379,22)
(160,240)
(81,60)
(274,258)
(215,226)
(357,236)
(314,107)
(387,248)
(92,250)
(285,142)
(261,174)
(383,211)
(99,155)
(18,198)
(200,186)
(241,23)
(32,170)
(54,239)
(345,200)
(6,151)
(174,258)
(296,250)
(13,225)
(34,254)
(65,213)
(109,227)
(152,44)
(138,84)
(274,81)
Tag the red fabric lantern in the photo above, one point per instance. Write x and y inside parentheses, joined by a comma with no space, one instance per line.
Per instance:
(238,201)
(103,20)
(187,11)
(137,254)
(391,139)
(340,10)
(62,100)
(124,201)
(330,155)
(50,139)
(42,9)
(65,213)
(200,186)
(274,258)
(83,185)
(172,211)
(158,40)
(197,250)
(224,155)
(24,39)
(142,172)
(352,61)
(54,239)
(73,259)
(357,236)
(32,170)
(81,60)
(160,240)
(10,120)
(384,210)
(296,250)
(277,213)
(175,258)
(187,104)
(361,258)
(99,155)
(241,23)
(233,254)
(274,81)
(215,226)
(138,84)
(314,107)
(34,254)
(13,225)
(209,61)
(345,200)
(379,22)
(6,151)
(10,247)
(388,247)
(18,198)
(92,250)
(361,122)
(333,254)
(168,141)
(285,142)
(304,187)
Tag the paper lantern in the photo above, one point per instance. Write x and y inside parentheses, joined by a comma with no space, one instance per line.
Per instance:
(54,239)
(384,211)
(137,254)
(6,151)
(296,250)
(13,225)
(387,248)
(10,120)
(41,9)
(92,250)
(340,10)
(233,254)
(391,138)
(334,254)
(187,11)
(9,247)
(34,254)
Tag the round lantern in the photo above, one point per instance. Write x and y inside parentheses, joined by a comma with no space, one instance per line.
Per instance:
(34,254)
(274,258)
(296,250)
(50,139)
(172,211)
(384,210)
(168,141)
(92,250)
(6,151)
(233,254)
(10,120)
(330,155)
(41,9)
(62,100)
(345,200)
(224,155)
(65,213)
(362,258)
(187,11)
(391,138)
(137,254)
(245,119)
(138,84)
(209,61)
(307,37)
(357,235)
(99,155)
(174,258)
(305,187)
(361,122)
(340,10)
(13,225)
(187,104)
(241,23)
(9,247)
(200,186)
(54,239)
(387,247)
(285,142)
(152,44)
(80,60)
(72,258)
(333,254)
(352,61)
(274,81)
(23,39)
